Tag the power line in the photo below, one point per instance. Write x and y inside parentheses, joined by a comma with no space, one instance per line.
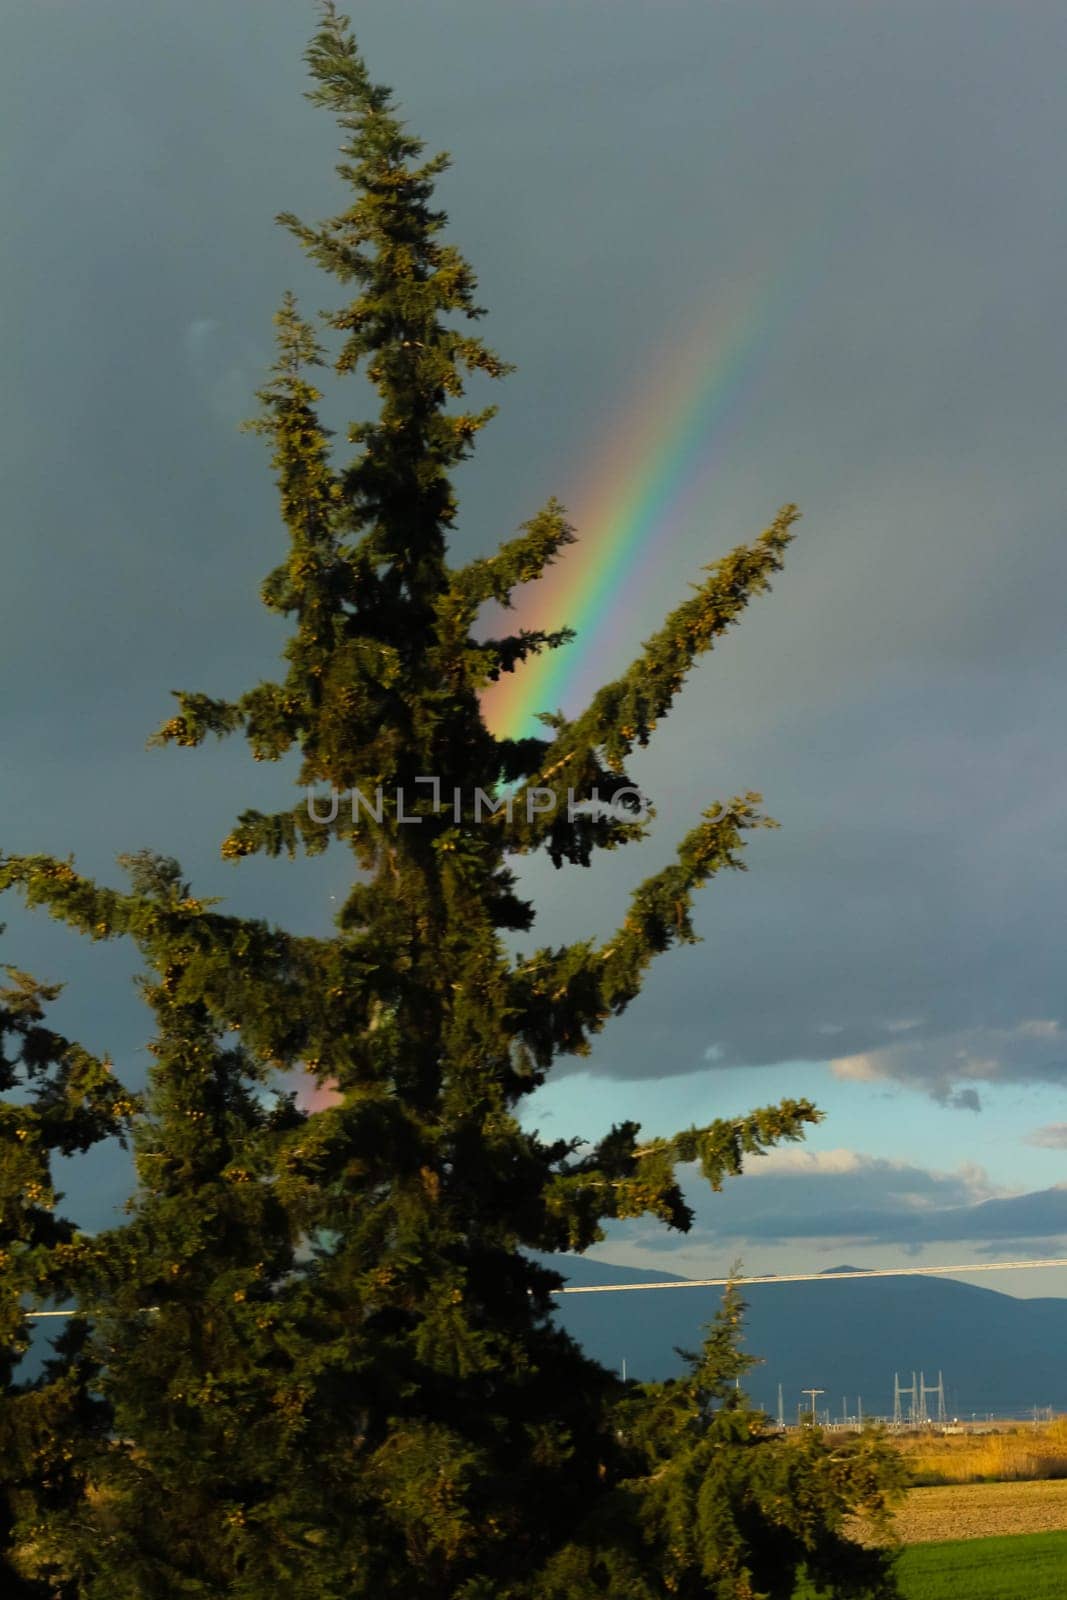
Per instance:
(812,1277)
(766,1278)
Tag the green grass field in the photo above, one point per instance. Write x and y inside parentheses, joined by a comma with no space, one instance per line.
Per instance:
(1024,1566)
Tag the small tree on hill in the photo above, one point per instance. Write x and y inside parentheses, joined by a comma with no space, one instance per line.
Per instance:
(326,1338)
(733,1509)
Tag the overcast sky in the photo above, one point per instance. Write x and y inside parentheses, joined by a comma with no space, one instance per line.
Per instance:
(894,169)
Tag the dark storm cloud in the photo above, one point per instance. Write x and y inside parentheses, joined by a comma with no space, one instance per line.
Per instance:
(903,923)
(1030,1216)
(899,698)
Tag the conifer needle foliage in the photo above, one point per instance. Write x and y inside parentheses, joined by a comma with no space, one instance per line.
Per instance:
(55,1099)
(324,1341)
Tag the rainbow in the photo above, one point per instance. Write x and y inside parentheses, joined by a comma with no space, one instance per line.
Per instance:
(646,482)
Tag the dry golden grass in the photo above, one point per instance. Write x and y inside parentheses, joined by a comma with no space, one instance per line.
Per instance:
(1022,1452)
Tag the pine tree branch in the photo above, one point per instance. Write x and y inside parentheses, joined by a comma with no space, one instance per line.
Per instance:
(488,658)
(563,996)
(626,712)
(623,1178)
(289,996)
(56,1099)
(199,715)
(520,560)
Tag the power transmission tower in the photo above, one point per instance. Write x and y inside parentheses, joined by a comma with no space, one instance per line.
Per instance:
(781,1409)
(927,1389)
(940,1398)
(899,1392)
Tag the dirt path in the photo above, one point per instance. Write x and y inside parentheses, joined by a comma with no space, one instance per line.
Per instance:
(981,1510)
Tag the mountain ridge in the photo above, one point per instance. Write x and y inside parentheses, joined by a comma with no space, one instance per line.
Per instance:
(848,1336)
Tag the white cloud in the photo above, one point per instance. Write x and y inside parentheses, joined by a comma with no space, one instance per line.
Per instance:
(805,1163)
(1053,1136)
(861,1069)
(197,341)
(223,368)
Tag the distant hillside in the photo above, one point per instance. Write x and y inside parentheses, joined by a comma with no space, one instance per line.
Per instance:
(998,1354)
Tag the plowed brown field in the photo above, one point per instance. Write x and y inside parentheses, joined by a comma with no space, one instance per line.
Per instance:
(981,1510)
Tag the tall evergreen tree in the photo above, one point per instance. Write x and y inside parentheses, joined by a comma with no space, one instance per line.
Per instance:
(328,1341)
